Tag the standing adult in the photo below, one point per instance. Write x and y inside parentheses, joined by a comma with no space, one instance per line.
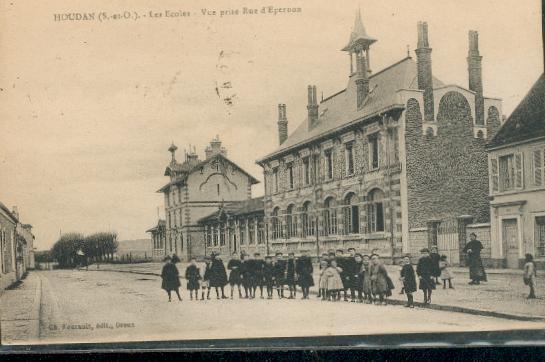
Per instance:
(424,270)
(291,276)
(476,269)
(279,273)
(345,274)
(352,270)
(170,277)
(235,277)
(303,268)
(380,283)
(218,275)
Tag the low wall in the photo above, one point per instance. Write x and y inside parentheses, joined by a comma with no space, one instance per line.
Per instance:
(418,239)
(484,236)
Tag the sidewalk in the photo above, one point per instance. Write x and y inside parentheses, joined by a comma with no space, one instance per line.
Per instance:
(20,311)
(504,295)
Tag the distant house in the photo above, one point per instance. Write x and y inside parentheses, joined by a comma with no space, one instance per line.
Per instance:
(158,240)
(138,249)
(8,224)
(516,157)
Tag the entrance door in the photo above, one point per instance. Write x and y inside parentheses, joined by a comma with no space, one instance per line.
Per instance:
(511,242)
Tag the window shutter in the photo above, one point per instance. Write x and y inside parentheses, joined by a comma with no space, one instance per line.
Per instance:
(494,174)
(519,174)
(538,167)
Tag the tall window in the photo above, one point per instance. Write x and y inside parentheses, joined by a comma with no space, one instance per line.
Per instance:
(351,215)
(260,231)
(507,173)
(349,152)
(275,179)
(538,163)
(307,220)
(242,232)
(373,151)
(394,145)
(222,234)
(251,231)
(306,170)
(291,221)
(276,226)
(376,211)
(330,217)
(328,164)
(290,175)
(540,235)
(315,169)
(215,230)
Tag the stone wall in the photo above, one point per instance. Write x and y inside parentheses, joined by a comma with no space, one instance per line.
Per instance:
(447,173)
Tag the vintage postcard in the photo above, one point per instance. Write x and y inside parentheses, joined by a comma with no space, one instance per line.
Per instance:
(203,171)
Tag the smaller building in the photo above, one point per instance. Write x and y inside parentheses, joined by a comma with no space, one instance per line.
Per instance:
(236,227)
(8,225)
(516,157)
(159,240)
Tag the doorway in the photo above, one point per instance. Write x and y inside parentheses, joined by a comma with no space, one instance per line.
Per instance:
(511,242)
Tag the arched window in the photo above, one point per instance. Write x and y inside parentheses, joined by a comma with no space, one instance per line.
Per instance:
(376,211)
(308,220)
(351,213)
(330,216)
(276,227)
(291,221)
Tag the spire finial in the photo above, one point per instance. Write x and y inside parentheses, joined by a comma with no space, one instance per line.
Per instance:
(172,149)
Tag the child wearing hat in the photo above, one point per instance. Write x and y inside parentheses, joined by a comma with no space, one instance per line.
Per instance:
(193,275)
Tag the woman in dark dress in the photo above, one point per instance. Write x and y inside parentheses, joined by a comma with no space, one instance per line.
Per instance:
(409,280)
(218,275)
(170,278)
(476,269)
(235,277)
(303,268)
(424,270)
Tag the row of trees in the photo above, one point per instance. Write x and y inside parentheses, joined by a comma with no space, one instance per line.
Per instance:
(76,249)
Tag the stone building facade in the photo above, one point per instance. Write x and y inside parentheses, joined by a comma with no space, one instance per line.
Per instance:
(196,189)
(516,157)
(158,240)
(386,164)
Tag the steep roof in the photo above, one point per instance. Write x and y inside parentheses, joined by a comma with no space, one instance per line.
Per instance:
(237,208)
(187,169)
(8,213)
(160,223)
(527,120)
(340,109)
(358,36)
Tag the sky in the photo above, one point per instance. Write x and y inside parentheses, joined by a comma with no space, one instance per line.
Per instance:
(89,108)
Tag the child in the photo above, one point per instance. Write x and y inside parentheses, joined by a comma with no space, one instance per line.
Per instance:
(171,281)
(366,280)
(247,275)
(445,272)
(424,270)
(290,276)
(530,274)
(401,265)
(193,275)
(380,284)
(322,284)
(323,258)
(409,280)
(235,278)
(205,285)
(268,276)
(304,269)
(258,264)
(358,282)
(279,270)
(334,281)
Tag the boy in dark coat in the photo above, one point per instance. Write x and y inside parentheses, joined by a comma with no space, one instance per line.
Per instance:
(435,259)
(358,282)
(258,274)
(246,274)
(290,276)
(351,274)
(170,276)
(205,285)
(279,270)
(341,261)
(424,270)
(193,275)
(409,280)
(268,276)
(303,268)
(235,277)
(218,275)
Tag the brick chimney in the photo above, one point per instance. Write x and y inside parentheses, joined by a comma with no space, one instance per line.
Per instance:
(425,77)
(215,148)
(15,212)
(362,79)
(282,123)
(474,69)
(312,107)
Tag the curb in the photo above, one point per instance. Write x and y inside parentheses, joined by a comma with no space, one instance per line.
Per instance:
(439,307)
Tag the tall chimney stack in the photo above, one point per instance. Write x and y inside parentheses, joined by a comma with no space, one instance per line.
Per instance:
(474,69)
(312,107)
(425,77)
(362,80)
(282,124)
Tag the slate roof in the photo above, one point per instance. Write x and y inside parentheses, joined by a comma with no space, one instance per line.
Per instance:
(187,169)
(527,120)
(340,109)
(237,208)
